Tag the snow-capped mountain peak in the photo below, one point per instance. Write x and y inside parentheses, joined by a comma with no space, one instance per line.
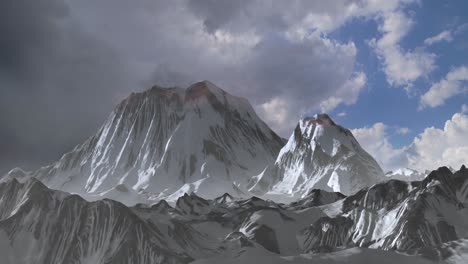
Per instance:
(318,155)
(204,89)
(320,130)
(164,142)
(406,174)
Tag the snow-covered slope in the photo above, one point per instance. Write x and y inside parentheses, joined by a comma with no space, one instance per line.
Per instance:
(406,174)
(397,215)
(162,143)
(423,221)
(318,155)
(38,225)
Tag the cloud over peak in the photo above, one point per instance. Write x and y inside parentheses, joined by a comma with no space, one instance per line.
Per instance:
(287,57)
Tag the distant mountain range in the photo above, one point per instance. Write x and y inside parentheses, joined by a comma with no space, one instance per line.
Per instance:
(195,176)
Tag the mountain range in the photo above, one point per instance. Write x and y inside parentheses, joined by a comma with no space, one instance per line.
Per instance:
(390,222)
(195,176)
(164,142)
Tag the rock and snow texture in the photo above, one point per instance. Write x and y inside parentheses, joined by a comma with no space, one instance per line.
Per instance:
(165,142)
(347,256)
(397,215)
(182,145)
(319,155)
(39,226)
(406,174)
(423,221)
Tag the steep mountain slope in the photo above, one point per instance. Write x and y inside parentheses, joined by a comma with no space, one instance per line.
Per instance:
(424,219)
(163,142)
(398,215)
(38,225)
(318,155)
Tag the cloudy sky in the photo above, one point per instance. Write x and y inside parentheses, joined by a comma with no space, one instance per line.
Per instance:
(394,71)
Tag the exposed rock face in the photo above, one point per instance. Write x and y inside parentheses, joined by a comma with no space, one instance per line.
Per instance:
(318,155)
(317,197)
(426,218)
(398,215)
(38,225)
(165,142)
(198,148)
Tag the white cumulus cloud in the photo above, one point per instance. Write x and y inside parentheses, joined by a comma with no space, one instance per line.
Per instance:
(375,140)
(464,109)
(453,84)
(434,147)
(347,94)
(447,146)
(445,35)
(402,67)
(261,50)
(403,130)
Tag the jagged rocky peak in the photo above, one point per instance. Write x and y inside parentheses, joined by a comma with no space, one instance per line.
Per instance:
(397,215)
(17,173)
(192,204)
(204,89)
(224,199)
(463,168)
(143,101)
(323,119)
(320,154)
(317,197)
(205,94)
(159,91)
(411,217)
(444,176)
(39,225)
(320,130)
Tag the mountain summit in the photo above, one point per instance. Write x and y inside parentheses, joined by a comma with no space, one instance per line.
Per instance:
(319,155)
(165,142)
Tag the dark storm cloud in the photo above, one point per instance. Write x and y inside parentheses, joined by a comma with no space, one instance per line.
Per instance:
(218,13)
(183,41)
(57,82)
(278,63)
(64,64)
(24,32)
